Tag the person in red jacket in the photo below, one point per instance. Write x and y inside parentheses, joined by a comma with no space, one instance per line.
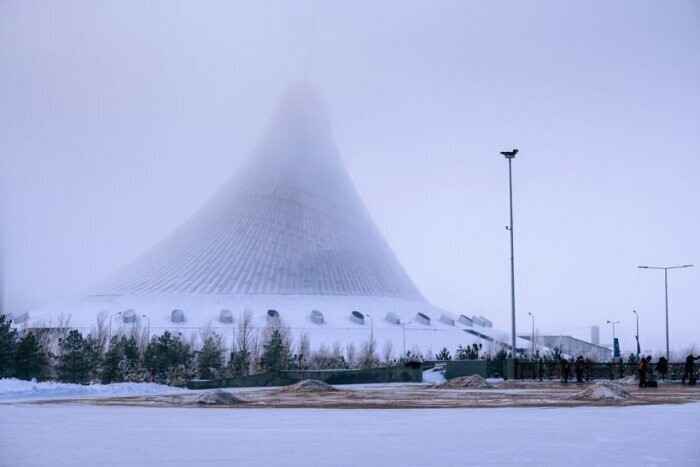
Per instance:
(579,366)
(565,370)
(642,368)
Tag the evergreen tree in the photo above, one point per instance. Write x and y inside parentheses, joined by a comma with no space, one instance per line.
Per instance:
(412,359)
(122,361)
(444,354)
(276,354)
(31,358)
(8,346)
(169,359)
(79,358)
(210,359)
(131,366)
(239,365)
(469,353)
(110,365)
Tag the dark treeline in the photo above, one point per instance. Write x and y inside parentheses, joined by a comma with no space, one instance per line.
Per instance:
(68,355)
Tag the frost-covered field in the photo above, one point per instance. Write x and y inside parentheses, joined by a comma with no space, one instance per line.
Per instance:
(84,435)
(41,426)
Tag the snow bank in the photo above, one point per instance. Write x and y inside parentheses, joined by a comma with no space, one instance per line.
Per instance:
(218,397)
(11,388)
(435,375)
(310,385)
(632,379)
(469,382)
(601,391)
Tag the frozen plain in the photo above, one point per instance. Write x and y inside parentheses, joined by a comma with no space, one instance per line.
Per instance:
(80,434)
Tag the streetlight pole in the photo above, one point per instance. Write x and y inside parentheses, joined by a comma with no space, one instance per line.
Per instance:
(668,353)
(510,155)
(532,344)
(616,352)
(110,325)
(404,336)
(148,329)
(371,332)
(636,315)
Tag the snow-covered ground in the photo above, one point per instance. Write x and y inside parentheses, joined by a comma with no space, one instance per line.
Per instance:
(82,435)
(15,389)
(72,433)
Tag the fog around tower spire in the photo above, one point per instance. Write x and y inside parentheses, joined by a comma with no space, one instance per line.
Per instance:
(290,222)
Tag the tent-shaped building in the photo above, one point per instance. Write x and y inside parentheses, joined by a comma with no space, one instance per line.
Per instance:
(288,235)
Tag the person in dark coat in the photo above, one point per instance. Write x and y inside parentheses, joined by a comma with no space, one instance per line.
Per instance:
(565,369)
(689,367)
(662,367)
(579,366)
(643,368)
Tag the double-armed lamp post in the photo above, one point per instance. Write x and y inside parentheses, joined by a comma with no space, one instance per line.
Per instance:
(510,155)
(668,354)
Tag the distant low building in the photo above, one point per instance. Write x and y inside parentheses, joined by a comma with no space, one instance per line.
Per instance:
(595,335)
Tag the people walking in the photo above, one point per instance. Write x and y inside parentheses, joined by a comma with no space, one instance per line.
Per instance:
(580,365)
(642,369)
(662,367)
(565,370)
(689,368)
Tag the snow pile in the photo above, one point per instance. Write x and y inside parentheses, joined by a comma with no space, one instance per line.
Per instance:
(435,375)
(218,397)
(601,391)
(632,379)
(11,388)
(310,385)
(468,382)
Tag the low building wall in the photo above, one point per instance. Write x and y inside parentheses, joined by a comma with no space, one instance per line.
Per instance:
(457,368)
(284,378)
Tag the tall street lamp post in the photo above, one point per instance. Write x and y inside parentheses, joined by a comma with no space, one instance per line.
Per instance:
(510,155)
(616,351)
(371,332)
(666,292)
(148,329)
(532,342)
(636,315)
(110,325)
(404,336)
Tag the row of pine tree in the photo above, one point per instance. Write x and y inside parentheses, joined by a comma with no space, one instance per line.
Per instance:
(67,355)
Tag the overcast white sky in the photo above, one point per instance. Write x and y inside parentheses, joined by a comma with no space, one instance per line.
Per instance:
(120,119)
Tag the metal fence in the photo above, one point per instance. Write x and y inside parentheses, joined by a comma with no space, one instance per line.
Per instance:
(541,370)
